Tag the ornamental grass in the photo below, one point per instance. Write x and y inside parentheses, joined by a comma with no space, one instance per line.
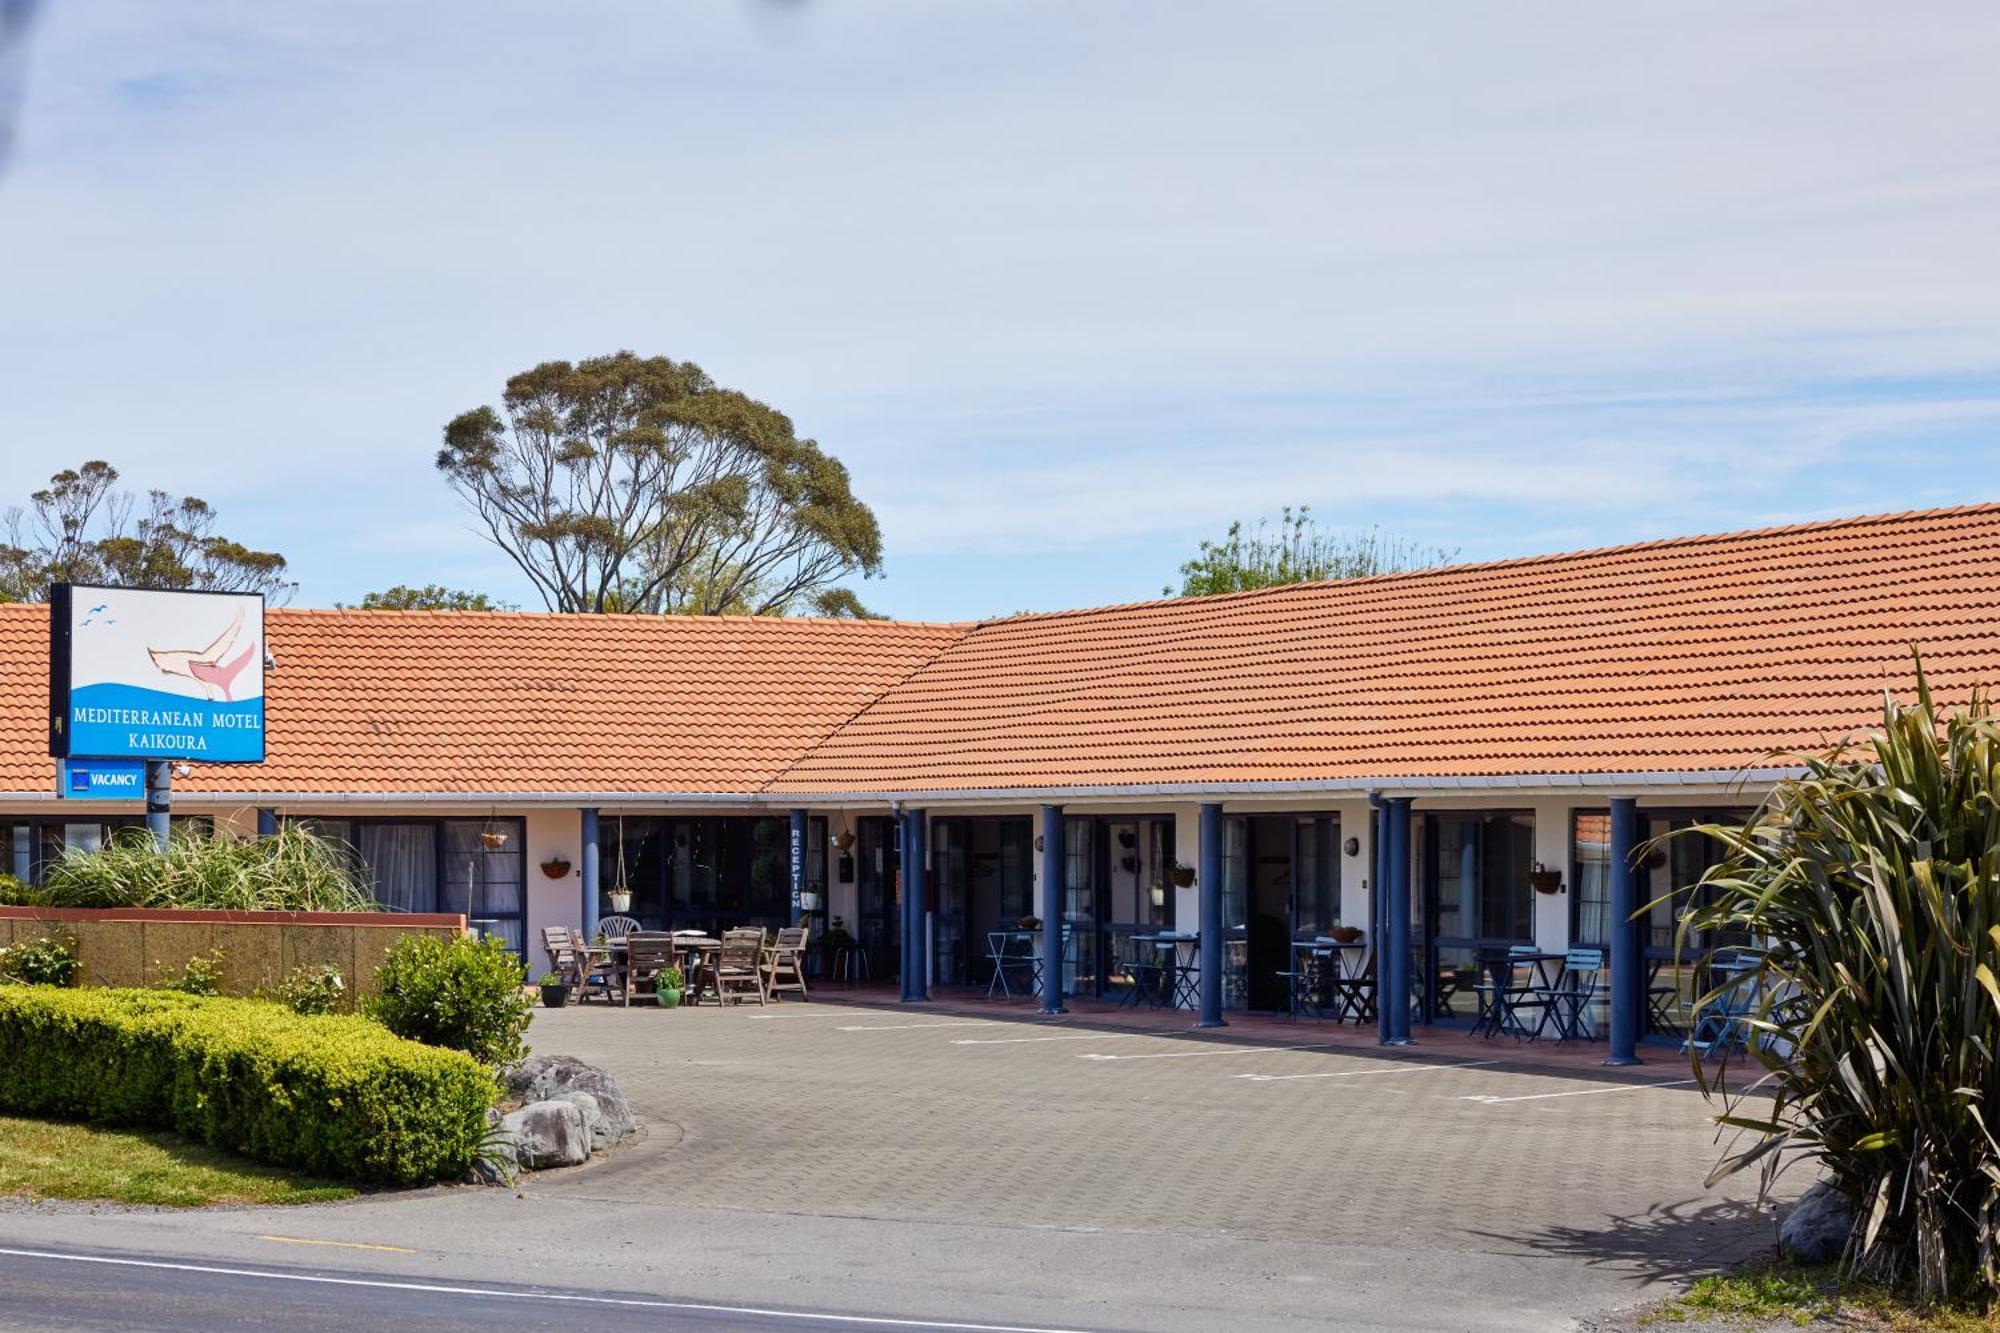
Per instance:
(292,870)
(1872,883)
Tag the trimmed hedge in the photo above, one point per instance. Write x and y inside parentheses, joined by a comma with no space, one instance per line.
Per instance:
(333,1095)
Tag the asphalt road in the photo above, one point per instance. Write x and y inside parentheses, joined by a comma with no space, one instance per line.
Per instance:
(76,1289)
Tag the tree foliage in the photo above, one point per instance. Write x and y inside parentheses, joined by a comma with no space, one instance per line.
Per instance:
(628,483)
(1298,550)
(430,597)
(81,528)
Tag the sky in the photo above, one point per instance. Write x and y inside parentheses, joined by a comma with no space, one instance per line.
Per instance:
(1067,286)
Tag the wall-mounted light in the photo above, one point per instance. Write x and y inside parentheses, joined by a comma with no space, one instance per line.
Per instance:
(1352,846)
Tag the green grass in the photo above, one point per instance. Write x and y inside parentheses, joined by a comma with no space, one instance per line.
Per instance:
(1772,1294)
(48,1159)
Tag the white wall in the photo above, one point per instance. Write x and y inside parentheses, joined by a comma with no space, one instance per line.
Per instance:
(1552,830)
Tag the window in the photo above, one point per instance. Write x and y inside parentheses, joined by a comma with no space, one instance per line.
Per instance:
(1017,871)
(1079,867)
(402,862)
(1590,878)
(484,882)
(1478,871)
(1317,908)
(1235,872)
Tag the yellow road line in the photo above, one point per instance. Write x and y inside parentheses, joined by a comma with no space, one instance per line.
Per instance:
(339,1244)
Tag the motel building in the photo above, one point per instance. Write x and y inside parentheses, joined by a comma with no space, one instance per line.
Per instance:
(1444,759)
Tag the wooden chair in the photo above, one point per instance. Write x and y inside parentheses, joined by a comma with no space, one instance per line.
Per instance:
(785,963)
(596,974)
(1353,993)
(647,954)
(617,927)
(739,969)
(563,958)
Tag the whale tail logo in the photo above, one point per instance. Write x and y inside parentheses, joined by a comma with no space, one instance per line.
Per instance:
(207,666)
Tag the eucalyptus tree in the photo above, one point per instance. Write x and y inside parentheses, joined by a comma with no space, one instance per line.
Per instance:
(629,483)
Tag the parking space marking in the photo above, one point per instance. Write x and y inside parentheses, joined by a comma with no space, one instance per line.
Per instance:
(909,1027)
(1489,1099)
(1066,1036)
(1191,1055)
(1364,1073)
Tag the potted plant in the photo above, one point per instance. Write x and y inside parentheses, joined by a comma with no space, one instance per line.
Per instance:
(808,900)
(621,900)
(492,839)
(1345,934)
(1030,923)
(556,867)
(555,991)
(1182,875)
(1545,880)
(668,985)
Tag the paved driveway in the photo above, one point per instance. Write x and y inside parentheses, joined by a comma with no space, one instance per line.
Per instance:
(887,1113)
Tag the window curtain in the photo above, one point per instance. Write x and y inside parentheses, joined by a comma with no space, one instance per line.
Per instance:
(1591,832)
(402,861)
(484,882)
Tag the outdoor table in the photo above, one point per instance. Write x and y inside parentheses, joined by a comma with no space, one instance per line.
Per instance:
(1003,956)
(1496,1012)
(1180,964)
(697,954)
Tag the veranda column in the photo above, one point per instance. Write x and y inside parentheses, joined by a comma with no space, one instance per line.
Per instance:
(590,873)
(1392,974)
(1625,960)
(1052,909)
(1378,921)
(267,821)
(798,848)
(915,965)
(1208,881)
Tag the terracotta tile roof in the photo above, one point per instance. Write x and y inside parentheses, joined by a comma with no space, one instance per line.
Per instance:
(414,701)
(1695,654)
(1700,654)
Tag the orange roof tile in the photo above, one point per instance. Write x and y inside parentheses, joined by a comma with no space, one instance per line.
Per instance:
(476,702)
(1696,655)
(1699,654)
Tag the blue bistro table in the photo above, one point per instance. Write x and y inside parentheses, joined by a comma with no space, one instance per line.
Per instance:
(1013,949)
(1180,969)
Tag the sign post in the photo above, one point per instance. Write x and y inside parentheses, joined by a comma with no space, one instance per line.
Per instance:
(140,677)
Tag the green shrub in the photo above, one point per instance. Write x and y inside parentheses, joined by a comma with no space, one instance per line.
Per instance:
(332,1095)
(313,990)
(292,870)
(456,992)
(13,893)
(48,961)
(1873,884)
(202,976)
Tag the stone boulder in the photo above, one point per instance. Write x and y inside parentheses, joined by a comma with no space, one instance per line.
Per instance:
(1816,1228)
(546,1134)
(546,1077)
(594,1123)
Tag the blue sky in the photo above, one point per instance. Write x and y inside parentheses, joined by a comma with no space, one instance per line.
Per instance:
(1067,286)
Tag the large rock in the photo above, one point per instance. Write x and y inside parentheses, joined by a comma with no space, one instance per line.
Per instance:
(594,1123)
(541,1078)
(547,1134)
(1816,1228)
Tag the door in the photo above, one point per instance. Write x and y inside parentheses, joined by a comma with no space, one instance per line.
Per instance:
(1476,896)
(1268,932)
(877,883)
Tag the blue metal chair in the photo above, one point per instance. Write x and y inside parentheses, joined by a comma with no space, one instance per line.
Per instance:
(1567,1002)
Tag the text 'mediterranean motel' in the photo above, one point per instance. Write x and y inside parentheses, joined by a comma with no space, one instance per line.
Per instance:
(1444,758)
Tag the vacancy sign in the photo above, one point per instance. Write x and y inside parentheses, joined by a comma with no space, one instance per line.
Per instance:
(141,674)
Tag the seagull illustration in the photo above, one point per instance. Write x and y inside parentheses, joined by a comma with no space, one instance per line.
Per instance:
(205,665)
(100,607)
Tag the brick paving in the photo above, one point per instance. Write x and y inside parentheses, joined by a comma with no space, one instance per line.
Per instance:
(967,1111)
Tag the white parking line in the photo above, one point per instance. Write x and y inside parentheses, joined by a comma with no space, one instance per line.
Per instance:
(1191,1055)
(907,1027)
(1488,1099)
(1067,1036)
(1364,1073)
(562,1297)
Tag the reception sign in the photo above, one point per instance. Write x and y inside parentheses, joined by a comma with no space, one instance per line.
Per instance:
(143,674)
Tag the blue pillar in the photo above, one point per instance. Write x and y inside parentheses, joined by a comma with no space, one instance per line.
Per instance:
(798,847)
(1392,974)
(267,821)
(916,963)
(1378,909)
(1208,881)
(591,871)
(1626,990)
(1052,909)
(159,800)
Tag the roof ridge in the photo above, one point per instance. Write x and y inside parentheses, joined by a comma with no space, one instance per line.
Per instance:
(345,612)
(1509,562)
(844,723)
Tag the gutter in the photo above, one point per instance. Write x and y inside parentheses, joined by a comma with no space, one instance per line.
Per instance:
(1599,784)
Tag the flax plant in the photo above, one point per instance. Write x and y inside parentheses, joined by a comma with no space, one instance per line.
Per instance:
(1872,881)
(292,870)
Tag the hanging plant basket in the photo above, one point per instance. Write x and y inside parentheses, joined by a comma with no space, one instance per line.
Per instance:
(621,901)
(492,839)
(556,867)
(1546,881)
(1183,877)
